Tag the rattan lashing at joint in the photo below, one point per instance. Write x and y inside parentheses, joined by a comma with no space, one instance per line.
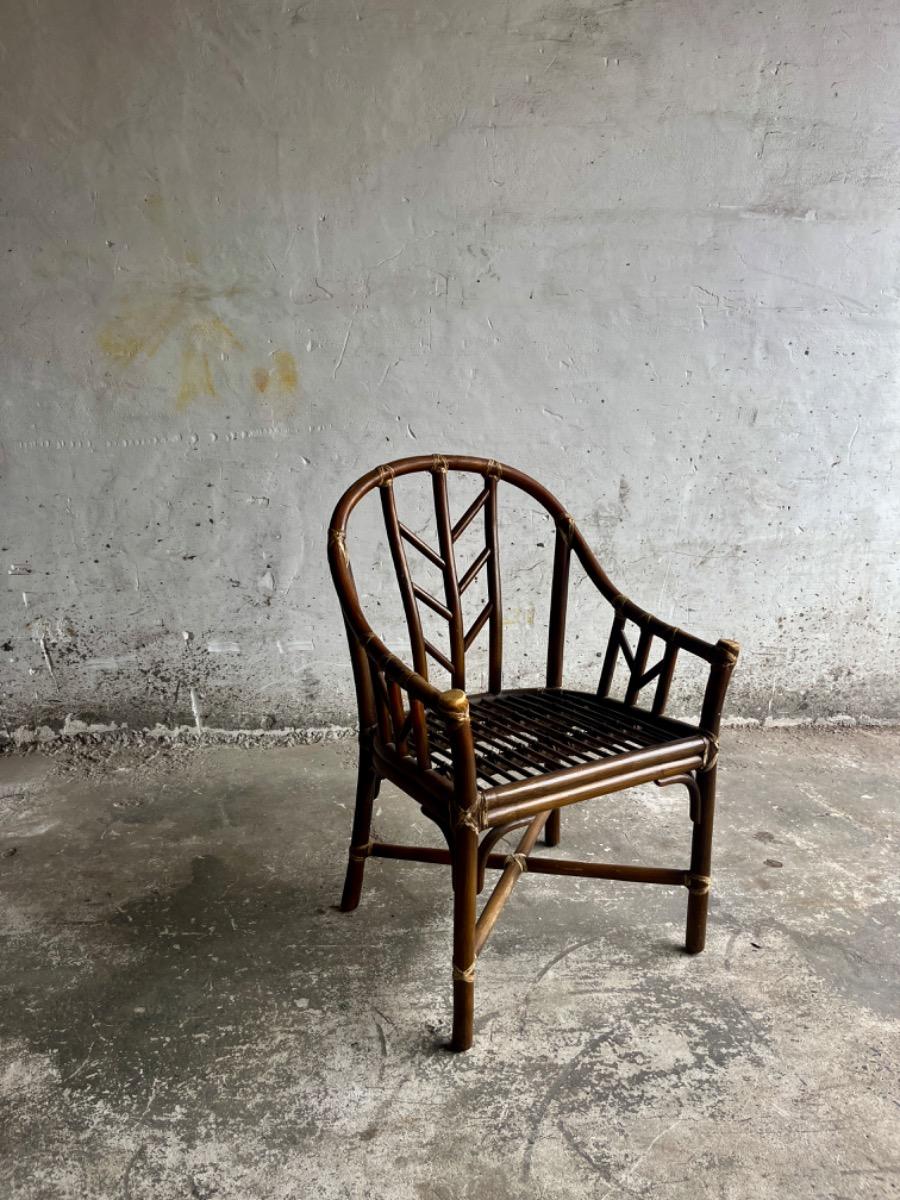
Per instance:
(517,860)
(697,885)
(466,975)
(361,853)
(493,470)
(385,475)
(440,464)
(732,650)
(469,818)
(711,754)
(566,526)
(457,715)
(337,537)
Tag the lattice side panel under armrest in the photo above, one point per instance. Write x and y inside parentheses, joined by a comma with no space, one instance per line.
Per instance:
(621,652)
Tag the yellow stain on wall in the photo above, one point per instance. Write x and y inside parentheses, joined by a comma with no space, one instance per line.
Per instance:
(196,377)
(216,333)
(203,338)
(139,329)
(285,370)
(184,313)
(282,376)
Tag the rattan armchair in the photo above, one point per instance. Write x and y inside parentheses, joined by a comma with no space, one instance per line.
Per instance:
(480,765)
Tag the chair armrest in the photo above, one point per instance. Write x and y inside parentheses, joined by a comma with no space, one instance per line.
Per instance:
(452,706)
(367,650)
(708,651)
(721,655)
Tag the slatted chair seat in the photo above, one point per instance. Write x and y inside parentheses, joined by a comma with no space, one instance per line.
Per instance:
(481,765)
(562,736)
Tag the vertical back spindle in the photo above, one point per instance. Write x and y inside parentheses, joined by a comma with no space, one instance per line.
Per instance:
(411,610)
(559,600)
(451,585)
(495,631)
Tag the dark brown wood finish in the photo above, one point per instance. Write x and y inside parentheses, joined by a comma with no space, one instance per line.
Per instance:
(482,764)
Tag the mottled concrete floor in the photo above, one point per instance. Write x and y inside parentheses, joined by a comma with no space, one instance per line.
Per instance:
(184,1014)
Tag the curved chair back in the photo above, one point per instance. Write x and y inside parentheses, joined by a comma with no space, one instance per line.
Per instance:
(402,539)
(370,656)
(382,678)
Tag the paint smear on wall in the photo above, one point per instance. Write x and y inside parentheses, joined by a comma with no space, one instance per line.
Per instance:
(186,316)
(140,329)
(285,370)
(203,338)
(281,379)
(196,377)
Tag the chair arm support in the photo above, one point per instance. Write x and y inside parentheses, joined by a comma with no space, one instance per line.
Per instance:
(452,707)
(467,798)
(721,655)
(710,652)
(399,672)
(720,672)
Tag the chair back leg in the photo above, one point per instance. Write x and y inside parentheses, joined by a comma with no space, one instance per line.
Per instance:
(551,829)
(367,784)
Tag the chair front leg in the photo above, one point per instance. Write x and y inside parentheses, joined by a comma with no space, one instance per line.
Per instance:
(367,785)
(465,883)
(701,862)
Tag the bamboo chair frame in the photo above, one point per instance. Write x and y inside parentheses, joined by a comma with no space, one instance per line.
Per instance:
(439,746)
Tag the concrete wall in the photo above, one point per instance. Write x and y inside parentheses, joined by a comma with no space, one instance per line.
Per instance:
(646,250)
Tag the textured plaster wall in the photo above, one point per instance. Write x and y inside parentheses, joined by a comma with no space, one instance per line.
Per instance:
(646,250)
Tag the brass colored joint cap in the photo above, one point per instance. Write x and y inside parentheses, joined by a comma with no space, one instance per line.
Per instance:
(732,648)
(455,701)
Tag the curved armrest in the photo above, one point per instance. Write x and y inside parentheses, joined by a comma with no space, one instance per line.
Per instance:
(366,649)
(452,705)
(710,652)
(721,655)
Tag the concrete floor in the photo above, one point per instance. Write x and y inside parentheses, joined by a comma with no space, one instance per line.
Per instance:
(184,1013)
